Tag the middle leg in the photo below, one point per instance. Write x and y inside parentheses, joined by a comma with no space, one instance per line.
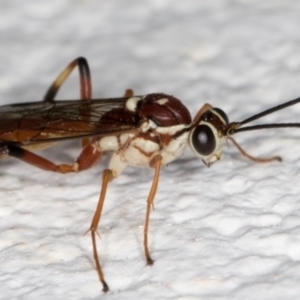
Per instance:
(157,165)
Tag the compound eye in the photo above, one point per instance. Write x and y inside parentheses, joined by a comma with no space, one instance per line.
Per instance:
(203,140)
(222,114)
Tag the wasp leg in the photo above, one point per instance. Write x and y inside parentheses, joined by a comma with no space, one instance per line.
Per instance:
(128,93)
(107,177)
(255,159)
(157,166)
(87,158)
(84,77)
(85,85)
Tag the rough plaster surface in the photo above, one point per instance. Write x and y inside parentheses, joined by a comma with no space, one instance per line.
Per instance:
(228,232)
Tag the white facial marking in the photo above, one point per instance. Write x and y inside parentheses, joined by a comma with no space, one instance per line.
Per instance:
(162,101)
(213,158)
(145,126)
(132,102)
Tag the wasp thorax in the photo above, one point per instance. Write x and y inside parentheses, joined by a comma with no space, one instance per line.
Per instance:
(206,137)
(164,110)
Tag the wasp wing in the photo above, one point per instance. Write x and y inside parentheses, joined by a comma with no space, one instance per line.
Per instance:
(43,122)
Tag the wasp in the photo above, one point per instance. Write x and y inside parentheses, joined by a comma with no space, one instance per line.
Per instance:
(148,131)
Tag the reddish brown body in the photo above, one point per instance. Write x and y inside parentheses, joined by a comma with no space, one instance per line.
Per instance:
(51,121)
(150,130)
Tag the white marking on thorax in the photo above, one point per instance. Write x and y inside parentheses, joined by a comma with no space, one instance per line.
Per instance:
(149,124)
(140,151)
(171,130)
(162,101)
(129,148)
(175,148)
(108,143)
(131,103)
(117,164)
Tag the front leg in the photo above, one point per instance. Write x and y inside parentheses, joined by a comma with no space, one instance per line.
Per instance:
(255,159)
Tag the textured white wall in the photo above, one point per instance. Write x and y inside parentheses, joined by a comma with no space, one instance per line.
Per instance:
(228,232)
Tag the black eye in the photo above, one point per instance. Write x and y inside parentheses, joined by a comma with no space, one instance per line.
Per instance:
(203,140)
(222,114)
